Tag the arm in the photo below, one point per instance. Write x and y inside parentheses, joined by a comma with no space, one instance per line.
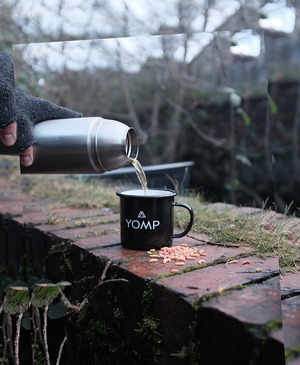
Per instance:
(19,112)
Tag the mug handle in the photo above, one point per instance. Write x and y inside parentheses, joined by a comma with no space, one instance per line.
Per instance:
(188,228)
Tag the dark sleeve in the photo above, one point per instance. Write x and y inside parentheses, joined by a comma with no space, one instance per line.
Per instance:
(7,90)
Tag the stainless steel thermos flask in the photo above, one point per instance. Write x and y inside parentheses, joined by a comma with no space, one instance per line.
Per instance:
(88,145)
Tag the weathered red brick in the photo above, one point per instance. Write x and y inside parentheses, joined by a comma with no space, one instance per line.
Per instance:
(291,321)
(254,304)
(117,253)
(290,281)
(98,243)
(82,232)
(12,207)
(147,269)
(240,326)
(195,284)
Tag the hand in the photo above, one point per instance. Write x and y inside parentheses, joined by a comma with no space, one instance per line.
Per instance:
(8,137)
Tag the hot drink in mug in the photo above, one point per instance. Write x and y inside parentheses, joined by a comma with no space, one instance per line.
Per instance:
(147,219)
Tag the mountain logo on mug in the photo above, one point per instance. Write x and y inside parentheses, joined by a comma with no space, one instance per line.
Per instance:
(141,214)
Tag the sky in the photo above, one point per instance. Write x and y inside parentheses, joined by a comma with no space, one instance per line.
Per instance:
(136,50)
(77,13)
(146,16)
(150,14)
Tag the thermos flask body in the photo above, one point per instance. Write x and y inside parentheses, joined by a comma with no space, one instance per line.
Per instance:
(81,146)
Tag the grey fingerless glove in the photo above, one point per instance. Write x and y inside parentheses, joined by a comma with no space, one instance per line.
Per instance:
(26,110)
(7,90)
(31,110)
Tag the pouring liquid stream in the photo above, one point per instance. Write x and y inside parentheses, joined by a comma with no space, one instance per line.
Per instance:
(140,174)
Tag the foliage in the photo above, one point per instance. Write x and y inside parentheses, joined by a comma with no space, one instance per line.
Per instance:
(151,338)
(101,336)
(23,302)
(149,329)
(31,306)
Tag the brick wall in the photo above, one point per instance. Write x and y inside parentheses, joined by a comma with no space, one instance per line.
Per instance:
(211,313)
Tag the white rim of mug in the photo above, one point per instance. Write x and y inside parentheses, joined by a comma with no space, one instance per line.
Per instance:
(122,193)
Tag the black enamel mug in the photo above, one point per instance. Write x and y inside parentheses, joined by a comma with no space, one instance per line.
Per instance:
(147,219)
